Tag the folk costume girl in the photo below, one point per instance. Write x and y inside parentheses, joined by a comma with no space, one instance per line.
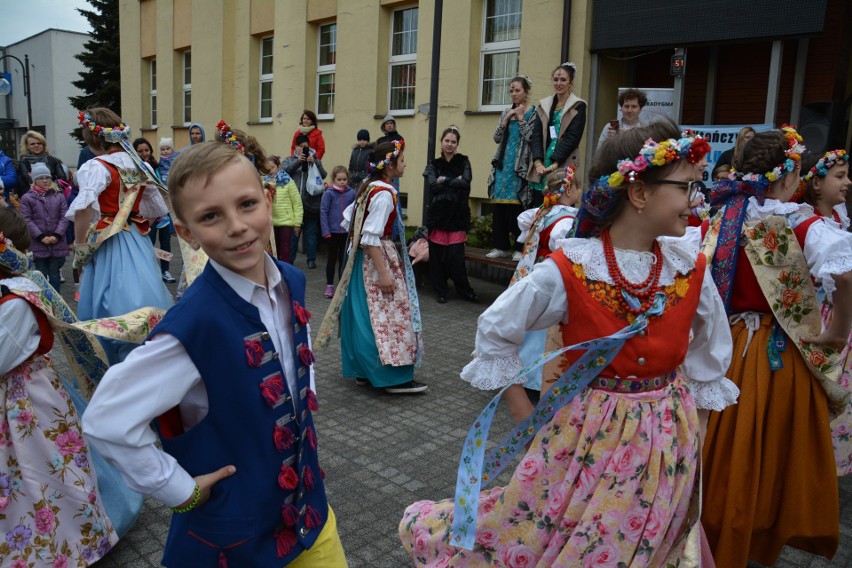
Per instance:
(764,255)
(376,299)
(543,229)
(824,187)
(611,475)
(118,196)
(50,505)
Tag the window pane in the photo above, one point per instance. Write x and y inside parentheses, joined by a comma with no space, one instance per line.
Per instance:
(402,87)
(266,99)
(266,56)
(187,68)
(404,32)
(187,106)
(153,74)
(328,45)
(498,70)
(325,94)
(153,110)
(502,20)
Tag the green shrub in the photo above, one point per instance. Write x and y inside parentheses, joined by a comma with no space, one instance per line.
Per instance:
(480,232)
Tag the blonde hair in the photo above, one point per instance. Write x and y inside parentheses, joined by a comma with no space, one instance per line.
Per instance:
(338,170)
(26,138)
(200,162)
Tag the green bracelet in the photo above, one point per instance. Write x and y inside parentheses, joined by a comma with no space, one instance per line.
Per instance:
(193,504)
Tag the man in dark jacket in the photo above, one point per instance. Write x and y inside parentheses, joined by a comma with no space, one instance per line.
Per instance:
(389,129)
(298,166)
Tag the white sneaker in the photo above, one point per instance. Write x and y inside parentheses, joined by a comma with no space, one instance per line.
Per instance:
(517,256)
(497,253)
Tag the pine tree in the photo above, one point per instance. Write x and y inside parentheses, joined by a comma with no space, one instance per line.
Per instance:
(101,79)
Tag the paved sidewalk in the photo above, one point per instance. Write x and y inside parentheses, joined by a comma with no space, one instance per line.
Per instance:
(382,452)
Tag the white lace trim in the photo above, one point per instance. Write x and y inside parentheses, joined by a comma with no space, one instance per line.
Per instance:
(679,257)
(370,240)
(21,283)
(844,216)
(774,207)
(491,374)
(715,395)
(826,272)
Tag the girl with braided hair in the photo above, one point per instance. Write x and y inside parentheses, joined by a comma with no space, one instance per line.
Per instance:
(769,469)
(376,298)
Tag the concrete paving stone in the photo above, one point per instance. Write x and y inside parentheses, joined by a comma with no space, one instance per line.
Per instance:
(364,431)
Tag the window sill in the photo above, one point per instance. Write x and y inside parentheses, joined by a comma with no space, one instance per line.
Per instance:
(258,122)
(481,112)
(325,118)
(397,114)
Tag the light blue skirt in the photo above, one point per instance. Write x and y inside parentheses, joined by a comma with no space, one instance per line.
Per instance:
(122,504)
(532,349)
(357,341)
(121,277)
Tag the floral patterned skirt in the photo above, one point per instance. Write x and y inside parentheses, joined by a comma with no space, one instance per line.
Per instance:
(769,472)
(50,507)
(607,482)
(841,426)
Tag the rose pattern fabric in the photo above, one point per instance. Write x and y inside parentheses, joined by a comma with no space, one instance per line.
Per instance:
(56,518)
(841,426)
(608,482)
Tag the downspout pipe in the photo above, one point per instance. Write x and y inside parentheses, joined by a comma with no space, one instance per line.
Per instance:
(566,28)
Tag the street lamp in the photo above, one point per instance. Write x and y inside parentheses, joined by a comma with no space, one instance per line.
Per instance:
(26,67)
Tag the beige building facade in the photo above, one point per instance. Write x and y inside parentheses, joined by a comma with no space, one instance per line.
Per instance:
(258,63)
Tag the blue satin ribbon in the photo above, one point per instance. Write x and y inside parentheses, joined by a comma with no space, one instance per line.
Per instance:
(474,467)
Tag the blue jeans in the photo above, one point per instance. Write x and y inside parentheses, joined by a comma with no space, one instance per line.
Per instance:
(310,234)
(50,268)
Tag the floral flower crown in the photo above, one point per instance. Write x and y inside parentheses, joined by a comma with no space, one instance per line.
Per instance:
(398,146)
(828,161)
(553,196)
(112,134)
(229,137)
(527,80)
(793,156)
(600,200)
(654,155)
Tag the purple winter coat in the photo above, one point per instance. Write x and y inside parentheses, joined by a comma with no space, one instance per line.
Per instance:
(45,215)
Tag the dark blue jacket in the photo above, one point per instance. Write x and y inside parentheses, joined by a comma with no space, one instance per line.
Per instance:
(274,506)
(8,175)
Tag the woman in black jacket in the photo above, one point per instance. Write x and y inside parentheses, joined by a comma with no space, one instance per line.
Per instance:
(561,120)
(448,217)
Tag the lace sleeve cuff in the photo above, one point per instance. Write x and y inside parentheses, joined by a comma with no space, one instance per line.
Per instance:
(370,240)
(491,374)
(714,395)
(831,267)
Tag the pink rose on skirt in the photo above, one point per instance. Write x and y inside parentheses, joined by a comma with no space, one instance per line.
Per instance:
(529,468)
(25,417)
(555,505)
(605,556)
(4,502)
(421,541)
(633,525)
(60,562)
(518,556)
(44,520)
(69,443)
(666,421)
(657,521)
(487,538)
(625,461)
(586,483)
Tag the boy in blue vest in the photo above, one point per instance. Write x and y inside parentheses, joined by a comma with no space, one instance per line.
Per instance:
(226,377)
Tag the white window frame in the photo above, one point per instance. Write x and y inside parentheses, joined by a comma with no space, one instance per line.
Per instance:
(265,78)
(495,48)
(325,70)
(152,92)
(401,60)
(186,69)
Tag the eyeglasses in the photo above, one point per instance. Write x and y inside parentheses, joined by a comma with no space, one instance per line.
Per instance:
(692,187)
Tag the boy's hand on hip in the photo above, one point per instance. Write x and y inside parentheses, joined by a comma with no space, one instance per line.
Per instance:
(207,481)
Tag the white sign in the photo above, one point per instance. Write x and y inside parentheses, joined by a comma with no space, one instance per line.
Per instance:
(660,102)
(721,138)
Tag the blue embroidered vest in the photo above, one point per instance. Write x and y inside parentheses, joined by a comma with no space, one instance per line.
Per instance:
(274,506)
